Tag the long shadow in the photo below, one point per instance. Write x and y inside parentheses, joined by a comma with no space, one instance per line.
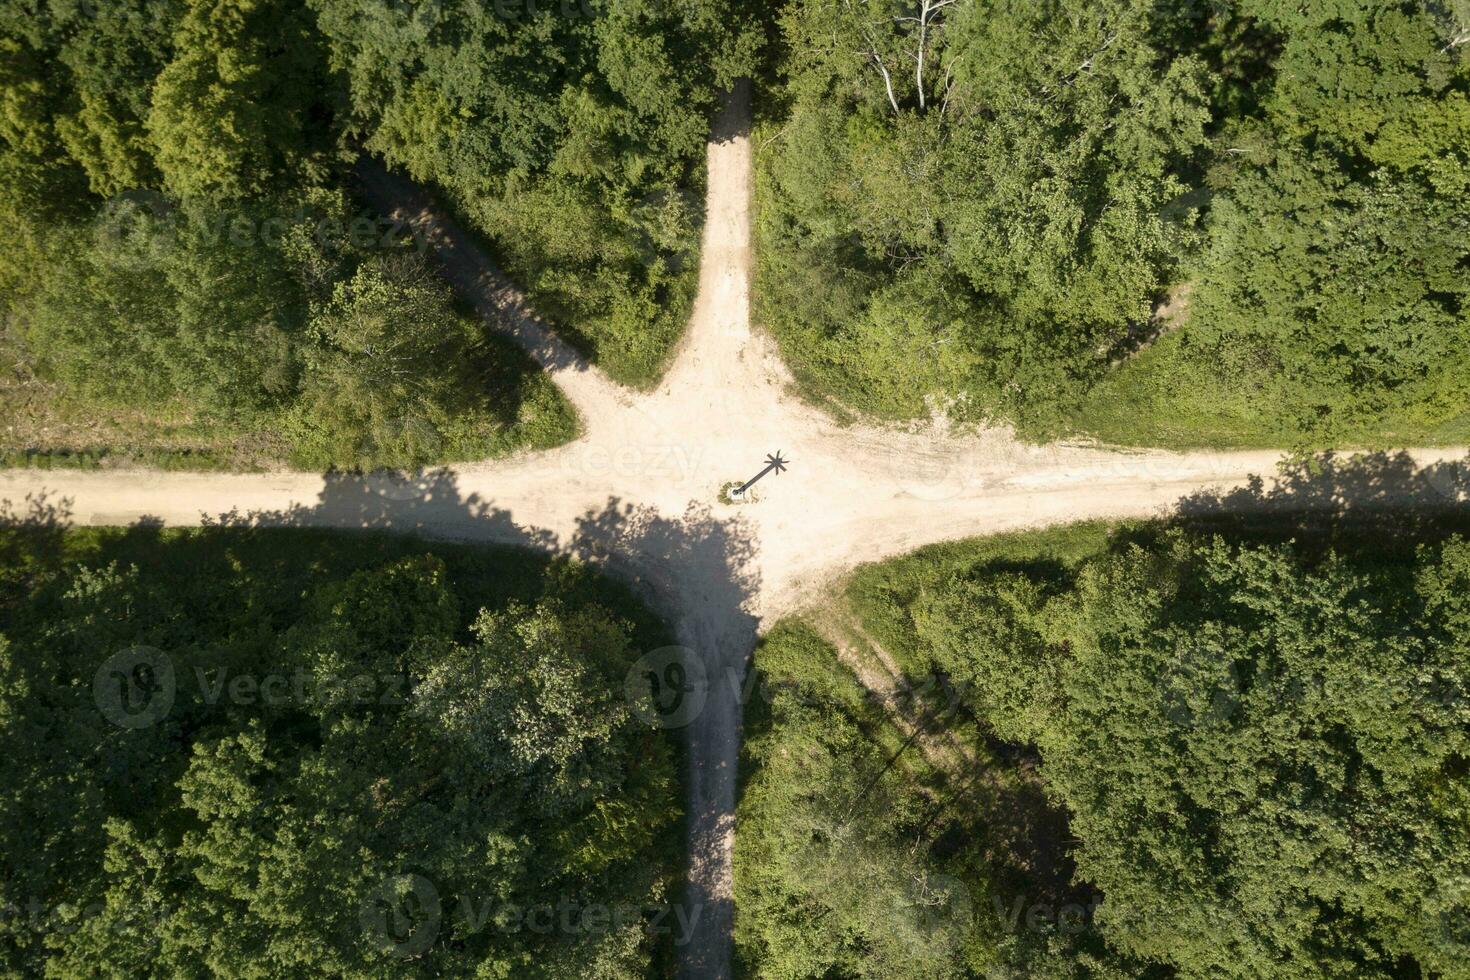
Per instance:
(733,118)
(694,569)
(31,538)
(465,264)
(1332,499)
(427,503)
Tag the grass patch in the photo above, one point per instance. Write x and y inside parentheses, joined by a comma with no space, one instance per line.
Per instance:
(43,426)
(1165,397)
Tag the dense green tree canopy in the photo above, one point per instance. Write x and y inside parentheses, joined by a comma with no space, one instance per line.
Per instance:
(1341,236)
(1262,749)
(230,114)
(561,129)
(984,200)
(220,762)
(1256,735)
(157,156)
(984,185)
(853,860)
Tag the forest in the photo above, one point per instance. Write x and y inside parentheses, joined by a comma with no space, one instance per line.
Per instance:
(193,264)
(1200,745)
(1210,749)
(1179,223)
(352,756)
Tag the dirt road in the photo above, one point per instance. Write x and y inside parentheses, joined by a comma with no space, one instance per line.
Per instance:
(639,490)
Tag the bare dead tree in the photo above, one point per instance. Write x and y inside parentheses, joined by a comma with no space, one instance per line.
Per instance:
(927,10)
(877,58)
(924,21)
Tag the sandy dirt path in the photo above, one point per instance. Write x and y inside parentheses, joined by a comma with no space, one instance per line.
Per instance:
(638,491)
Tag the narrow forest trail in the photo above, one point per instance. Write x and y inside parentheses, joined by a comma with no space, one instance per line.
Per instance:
(638,490)
(918,715)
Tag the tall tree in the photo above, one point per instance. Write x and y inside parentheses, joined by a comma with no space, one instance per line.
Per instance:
(232,112)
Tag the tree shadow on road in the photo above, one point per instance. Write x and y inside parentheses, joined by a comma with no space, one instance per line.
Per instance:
(428,503)
(1331,499)
(732,118)
(698,571)
(694,569)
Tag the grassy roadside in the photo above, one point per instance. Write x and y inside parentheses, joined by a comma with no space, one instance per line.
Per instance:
(1167,399)
(883,594)
(44,427)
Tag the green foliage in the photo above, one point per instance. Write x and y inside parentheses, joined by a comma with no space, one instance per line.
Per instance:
(994,226)
(113,53)
(394,373)
(283,317)
(1259,734)
(1338,248)
(826,881)
(229,113)
(336,726)
(854,860)
(197,297)
(989,223)
(559,130)
(1281,740)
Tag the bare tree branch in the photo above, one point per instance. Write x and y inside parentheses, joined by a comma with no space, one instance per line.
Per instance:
(927,9)
(873,53)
